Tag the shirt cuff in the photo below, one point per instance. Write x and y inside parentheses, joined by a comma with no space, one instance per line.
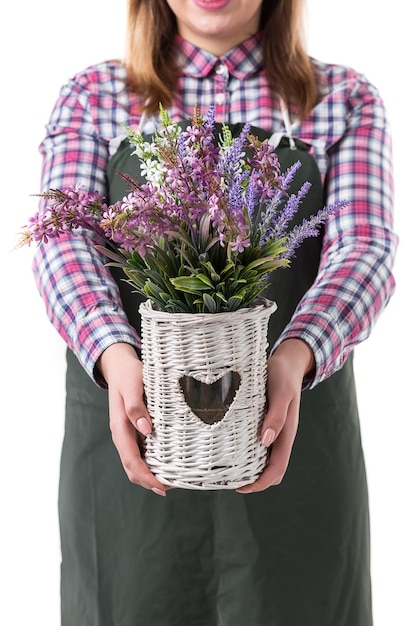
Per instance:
(322,334)
(98,332)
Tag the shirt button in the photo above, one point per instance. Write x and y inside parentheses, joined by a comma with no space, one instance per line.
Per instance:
(221,70)
(220,98)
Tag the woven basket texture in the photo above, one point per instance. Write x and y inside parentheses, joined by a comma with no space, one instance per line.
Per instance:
(205,379)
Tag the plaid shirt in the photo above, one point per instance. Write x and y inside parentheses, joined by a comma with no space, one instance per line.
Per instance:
(348,135)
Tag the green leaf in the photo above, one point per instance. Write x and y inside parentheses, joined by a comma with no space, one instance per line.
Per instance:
(220,296)
(234,303)
(177,306)
(134,277)
(266,268)
(111,254)
(207,265)
(204,231)
(189,284)
(158,265)
(274,247)
(154,275)
(205,279)
(152,290)
(165,297)
(254,264)
(228,266)
(210,303)
(183,236)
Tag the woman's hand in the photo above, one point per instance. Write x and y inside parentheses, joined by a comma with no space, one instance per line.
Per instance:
(287,366)
(129,418)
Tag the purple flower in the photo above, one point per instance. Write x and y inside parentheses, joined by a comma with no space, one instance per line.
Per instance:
(204,210)
(276,219)
(309,228)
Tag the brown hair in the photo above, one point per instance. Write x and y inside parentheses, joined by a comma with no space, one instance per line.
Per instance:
(151,58)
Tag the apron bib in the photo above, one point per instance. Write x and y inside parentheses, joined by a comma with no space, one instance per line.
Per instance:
(294,555)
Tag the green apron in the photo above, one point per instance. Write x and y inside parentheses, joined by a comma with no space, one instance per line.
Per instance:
(294,555)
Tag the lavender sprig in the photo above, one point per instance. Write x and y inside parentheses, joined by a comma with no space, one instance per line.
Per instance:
(309,228)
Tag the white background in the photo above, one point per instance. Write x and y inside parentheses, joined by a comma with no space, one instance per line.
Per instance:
(43,43)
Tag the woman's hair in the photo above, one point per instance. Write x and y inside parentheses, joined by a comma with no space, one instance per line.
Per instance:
(151,53)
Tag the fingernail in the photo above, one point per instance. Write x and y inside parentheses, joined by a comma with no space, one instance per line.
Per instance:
(159,492)
(143,426)
(268,437)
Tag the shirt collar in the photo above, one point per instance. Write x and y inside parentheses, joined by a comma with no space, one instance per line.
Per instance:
(242,61)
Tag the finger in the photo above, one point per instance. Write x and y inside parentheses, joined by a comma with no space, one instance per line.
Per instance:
(279,455)
(280,397)
(275,420)
(136,410)
(125,439)
(143,424)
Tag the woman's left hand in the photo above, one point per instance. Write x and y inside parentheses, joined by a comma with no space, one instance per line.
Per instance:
(287,366)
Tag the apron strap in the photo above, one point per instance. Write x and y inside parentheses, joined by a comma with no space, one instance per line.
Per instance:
(277,136)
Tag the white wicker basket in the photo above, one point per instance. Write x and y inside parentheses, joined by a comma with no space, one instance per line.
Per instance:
(217,444)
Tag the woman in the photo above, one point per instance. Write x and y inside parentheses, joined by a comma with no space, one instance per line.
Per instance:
(293,547)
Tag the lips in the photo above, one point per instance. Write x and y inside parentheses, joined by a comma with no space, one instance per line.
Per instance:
(213,5)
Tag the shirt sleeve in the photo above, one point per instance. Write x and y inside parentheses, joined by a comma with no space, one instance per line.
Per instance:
(355,279)
(81,297)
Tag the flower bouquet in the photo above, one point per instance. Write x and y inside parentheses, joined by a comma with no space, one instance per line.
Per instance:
(197,236)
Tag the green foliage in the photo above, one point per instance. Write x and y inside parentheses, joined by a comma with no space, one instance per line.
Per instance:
(180,280)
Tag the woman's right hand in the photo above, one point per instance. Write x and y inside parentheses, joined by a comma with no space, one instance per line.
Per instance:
(128,415)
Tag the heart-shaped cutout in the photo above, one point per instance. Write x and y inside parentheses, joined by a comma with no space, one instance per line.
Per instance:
(210,402)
